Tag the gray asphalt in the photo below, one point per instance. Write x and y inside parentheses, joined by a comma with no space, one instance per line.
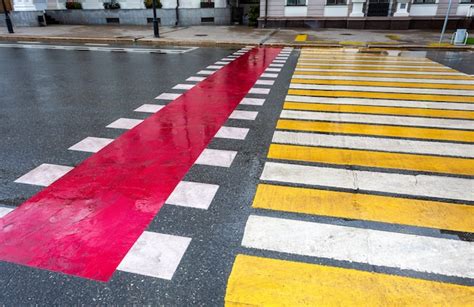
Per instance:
(51,99)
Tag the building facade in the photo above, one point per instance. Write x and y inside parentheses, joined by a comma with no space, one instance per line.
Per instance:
(130,12)
(371,14)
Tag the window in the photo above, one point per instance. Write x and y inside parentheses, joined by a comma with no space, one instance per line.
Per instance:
(467,1)
(424,1)
(296,3)
(336,2)
(207,4)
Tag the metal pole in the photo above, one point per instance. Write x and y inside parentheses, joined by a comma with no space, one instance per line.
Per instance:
(7,18)
(445,21)
(156,30)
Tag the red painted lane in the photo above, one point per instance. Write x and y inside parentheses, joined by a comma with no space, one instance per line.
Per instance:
(85,223)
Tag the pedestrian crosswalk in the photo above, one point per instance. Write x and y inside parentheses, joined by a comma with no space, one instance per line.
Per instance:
(372,161)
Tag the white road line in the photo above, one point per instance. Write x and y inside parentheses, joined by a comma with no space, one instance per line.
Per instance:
(253,101)
(234,133)
(227,59)
(381,66)
(408,72)
(380,119)
(383,102)
(155,254)
(206,72)
(168,96)
(270,69)
(214,67)
(382,79)
(95,44)
(125,123)
(183,86)
(265,82)
(91,144)
(384,89)
(244,115)
(371,143)
(276,65)
(216,157)
(266,75)
(196,79)
(149,108)
(193,194)
(414,185)
(29,42)
(261,91)
(279,61)
(44,175)
(374,247)
(221,63)
(4,211)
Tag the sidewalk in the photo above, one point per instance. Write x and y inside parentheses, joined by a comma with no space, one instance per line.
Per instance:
(213,36)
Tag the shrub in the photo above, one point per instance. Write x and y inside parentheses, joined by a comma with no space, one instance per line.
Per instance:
(254,13)
(112,5)
(73,5)
(149,4)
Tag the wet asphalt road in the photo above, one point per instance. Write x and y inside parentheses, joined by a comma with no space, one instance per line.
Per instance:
(51,99)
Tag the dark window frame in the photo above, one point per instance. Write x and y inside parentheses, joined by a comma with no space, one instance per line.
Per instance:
(466,2)
(336,2)
(424,1)
(296,3)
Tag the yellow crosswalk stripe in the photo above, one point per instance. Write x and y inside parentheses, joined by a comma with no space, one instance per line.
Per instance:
(366,61)
(377,67)
(414,212)
(258,281)
(378,130)
(385,75)
(401,161)
(379,110)
(382,95)
(446,85)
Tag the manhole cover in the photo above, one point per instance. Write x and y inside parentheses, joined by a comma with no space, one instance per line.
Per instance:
(200,34)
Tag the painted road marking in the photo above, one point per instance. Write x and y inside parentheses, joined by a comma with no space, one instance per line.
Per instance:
(265,82)
(221,63)
(206,72)
(183,86)
(168,96)
(383,102)
(125,123)
(366,158)
(405,211)
(214,67)
(384,89)
(4,211)
(279,61)
(155,254)
(149,108)
(216,157)
(232,133)
(380,71)
(358,73)
(371,143)
(44,175)
(128,180)
(367,61)
(425,83)
(196,79)
(378,130)
(271,282)
(266,75)
(91,144)
(380,119)
(193,195)
(381,95)
(377,110)
(277,65)
(253,101)
(273,69)
(410,185)
(258,90)
(301,38)
(387,66)
(374,247)
(244,115)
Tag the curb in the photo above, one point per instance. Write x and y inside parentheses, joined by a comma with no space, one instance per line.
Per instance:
(214,43)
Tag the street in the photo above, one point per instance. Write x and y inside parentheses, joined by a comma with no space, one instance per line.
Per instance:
(186,176)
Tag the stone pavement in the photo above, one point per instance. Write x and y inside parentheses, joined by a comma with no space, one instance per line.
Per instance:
(228,36)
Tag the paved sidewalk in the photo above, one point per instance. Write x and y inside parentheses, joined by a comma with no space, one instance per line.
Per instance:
(231,36)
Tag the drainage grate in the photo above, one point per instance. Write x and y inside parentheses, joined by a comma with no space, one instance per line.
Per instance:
(200,34)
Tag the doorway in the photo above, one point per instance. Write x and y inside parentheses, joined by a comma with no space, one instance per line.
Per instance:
(378,8)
